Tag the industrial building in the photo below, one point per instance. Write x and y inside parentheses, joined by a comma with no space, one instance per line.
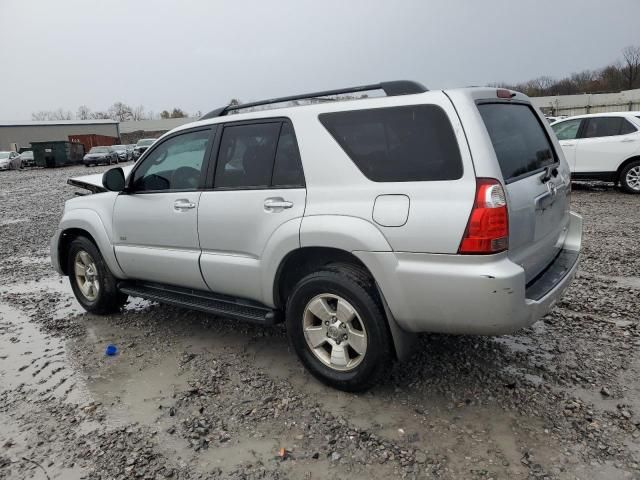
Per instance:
(19,135)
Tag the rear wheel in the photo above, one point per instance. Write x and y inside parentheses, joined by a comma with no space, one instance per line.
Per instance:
(93,284)
(336,325)
(630,177)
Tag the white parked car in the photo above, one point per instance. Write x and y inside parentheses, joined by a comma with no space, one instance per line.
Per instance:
(603,146)
(10,161)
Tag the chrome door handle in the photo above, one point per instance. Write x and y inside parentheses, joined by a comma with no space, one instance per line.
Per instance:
(271,203)
(567,144)
(183,204)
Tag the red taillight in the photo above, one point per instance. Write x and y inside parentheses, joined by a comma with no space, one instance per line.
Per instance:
(488,227)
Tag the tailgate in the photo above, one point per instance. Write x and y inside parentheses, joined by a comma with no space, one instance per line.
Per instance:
(537,183)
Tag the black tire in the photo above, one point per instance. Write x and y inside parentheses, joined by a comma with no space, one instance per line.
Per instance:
(357,288)
(107,298)
(635,165)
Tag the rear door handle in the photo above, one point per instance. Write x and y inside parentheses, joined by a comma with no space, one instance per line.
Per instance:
(277,203)
(627,140)
(183,204)
(567,144)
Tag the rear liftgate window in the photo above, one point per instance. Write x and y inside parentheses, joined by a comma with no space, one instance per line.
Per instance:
(520,142)
(398,144)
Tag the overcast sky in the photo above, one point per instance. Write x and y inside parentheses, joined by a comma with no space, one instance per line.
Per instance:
(199,54)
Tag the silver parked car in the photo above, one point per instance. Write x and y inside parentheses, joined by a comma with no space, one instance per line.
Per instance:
(27,158)
(10,161)
(123,152)
(359,223)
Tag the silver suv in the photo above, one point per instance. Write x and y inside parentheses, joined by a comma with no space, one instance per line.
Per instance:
(356,222)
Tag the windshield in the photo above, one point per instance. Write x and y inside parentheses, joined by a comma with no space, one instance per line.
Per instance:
(119,147)
(4,155)
(27,154)
(99,150)
(146,142)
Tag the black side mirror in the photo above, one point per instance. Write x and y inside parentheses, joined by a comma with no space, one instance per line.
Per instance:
(113,180)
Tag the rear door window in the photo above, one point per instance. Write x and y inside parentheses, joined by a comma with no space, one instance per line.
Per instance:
(519,139)
(246,155)
(260,155)
(398,144)
(603,127)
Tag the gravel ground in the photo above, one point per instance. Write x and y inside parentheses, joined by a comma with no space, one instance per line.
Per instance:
(190,396)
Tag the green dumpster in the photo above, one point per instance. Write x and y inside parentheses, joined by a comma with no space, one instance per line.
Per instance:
(57,154)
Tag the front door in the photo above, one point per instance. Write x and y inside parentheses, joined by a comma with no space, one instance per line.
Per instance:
(257,204)
(567,133)
(155,221)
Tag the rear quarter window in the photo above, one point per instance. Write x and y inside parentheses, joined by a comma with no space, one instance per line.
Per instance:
(398,144)
(519,140)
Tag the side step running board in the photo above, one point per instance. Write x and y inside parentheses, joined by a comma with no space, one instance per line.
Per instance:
(220,305)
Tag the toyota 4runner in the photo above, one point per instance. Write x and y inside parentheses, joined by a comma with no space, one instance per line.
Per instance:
(356,222)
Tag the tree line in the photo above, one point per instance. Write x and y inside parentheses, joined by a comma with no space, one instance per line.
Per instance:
(118,111)
(623,74)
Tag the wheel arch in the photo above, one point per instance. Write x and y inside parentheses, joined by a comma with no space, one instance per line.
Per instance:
(66,237)
(302,261)
(87,223)
(624,164)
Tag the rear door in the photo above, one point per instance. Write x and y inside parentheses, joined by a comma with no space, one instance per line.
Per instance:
(567,133)
(258,196)
(605,143)
(538,201)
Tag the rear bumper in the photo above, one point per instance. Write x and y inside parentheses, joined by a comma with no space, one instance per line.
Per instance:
(464,294)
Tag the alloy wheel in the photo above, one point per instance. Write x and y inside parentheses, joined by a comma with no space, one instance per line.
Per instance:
(86,274)
(633,178)
(334,332)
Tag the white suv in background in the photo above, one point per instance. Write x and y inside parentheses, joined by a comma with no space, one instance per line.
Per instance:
(358,223)
(603,146)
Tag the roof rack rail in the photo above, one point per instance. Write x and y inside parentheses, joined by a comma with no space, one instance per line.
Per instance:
(398,87)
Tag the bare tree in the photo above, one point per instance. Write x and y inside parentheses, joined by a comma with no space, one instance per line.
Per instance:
(138,113)
(631,68)
(611,78)
(120,111)
(58,114)
(101,115)
(40,116)
(178,113)
(83,113)
(165,114)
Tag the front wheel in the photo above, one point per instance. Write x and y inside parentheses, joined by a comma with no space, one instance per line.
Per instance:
(337,326)
(630,177)
(93,284)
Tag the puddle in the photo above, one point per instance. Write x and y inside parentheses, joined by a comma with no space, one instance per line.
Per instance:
(22,447)
(34,360)
(55,284)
